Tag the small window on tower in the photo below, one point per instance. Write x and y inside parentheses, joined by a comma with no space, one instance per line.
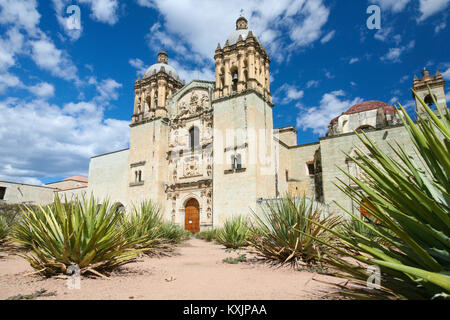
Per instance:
(238,162)
(194,137)
(287,175)
(311,168)
(2,193)
(233,162)
(429,100)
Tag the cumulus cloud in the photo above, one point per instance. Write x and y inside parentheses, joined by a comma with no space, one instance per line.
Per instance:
(43,90)
(429,8)
(103,10)
(8,80)
(394,54)
(446,74)
(139,65)
(328,37)
(49,58)
(391,5)
(312,84)
(318,118)
(50,140)
(353,60)
(184,72)
(20,13)
(288,93)
(281,25)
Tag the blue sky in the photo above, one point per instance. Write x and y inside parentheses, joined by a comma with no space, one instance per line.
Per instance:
(67,95)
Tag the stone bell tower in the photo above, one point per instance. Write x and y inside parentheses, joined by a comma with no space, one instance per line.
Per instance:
(159,83)
(242,64)
(245,160)
(437,86)
(150,130)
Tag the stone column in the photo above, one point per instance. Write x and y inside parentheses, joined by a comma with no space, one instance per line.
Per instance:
(251,67)
(241,78)
(227,88)
(268,76)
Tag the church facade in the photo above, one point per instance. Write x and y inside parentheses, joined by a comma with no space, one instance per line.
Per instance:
(206,151)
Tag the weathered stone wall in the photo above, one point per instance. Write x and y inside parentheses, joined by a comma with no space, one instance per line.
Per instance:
(23,193)
(333,158)
(300,182)
(108,177)
(249,123)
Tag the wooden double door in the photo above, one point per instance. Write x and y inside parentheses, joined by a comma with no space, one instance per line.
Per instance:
(192,216)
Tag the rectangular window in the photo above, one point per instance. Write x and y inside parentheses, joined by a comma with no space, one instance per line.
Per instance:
(239,162)
(287,175)
(311,169)
(2,193)
(233,163)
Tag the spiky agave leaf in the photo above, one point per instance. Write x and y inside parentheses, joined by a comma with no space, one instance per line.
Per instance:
(410,198)
(235,232)
(279,232)
(83,233)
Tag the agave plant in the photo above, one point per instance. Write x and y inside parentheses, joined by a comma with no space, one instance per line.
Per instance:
(235,232)
(281,231)
(82,233)
(143,222)
(207,235)
(410,198)
(174,233)
(4,230)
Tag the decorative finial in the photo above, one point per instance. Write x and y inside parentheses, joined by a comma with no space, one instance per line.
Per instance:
(242,12)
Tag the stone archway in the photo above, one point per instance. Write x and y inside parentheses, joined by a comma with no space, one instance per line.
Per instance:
(192,216)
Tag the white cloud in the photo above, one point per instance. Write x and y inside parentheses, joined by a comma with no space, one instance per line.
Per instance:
(139,65)
(330,35)
(392,5)
(43,90)
(63,19)
(275,22)
(53,60)
(21,13)
(201,73)
(394,54)
(103,10)
(107,90)
(353,60)
(318,118)
(441,26)
(288,93)
(312,84)
(431,7)
(446,74)
(8,80)
(52,141)
(447,96)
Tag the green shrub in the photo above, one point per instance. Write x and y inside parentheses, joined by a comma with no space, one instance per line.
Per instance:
(410,199)
(143,223)
(234,233)
(81,233)
(207,235)
(282,232)
(174,233)
(4,230)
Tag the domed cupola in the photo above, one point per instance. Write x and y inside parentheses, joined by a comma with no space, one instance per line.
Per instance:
(366,115)
(162,66)
(242,64)
(160,82)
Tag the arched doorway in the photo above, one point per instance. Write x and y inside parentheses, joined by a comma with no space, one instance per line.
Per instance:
(192,216)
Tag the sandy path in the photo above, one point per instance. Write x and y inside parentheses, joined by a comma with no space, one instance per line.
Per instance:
(196,272)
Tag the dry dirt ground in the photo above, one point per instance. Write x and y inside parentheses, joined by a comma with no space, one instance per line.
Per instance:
(195,272)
